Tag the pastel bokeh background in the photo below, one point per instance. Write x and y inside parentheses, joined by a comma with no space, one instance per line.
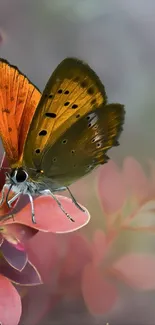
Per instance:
(105,272)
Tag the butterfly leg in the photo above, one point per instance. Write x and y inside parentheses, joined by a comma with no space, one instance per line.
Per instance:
(3,193)
(6,218)
(7,196)
(13,199)
(32,207)
(61,207)
(74,200)
(59,203)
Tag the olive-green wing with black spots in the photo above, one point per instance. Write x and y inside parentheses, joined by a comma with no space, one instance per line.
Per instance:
(72,127)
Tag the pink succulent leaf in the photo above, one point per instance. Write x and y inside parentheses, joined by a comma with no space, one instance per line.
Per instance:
(16,258)
(73,249)
(100,295)
(28,276)
(17,233)
(136,270)
(44,250)
(143,219)
(112,191)
(10,303)
(49,216)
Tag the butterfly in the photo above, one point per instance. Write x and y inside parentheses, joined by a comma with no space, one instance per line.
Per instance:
(54,138)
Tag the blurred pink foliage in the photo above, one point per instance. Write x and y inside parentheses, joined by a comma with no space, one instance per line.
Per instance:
(128,195)
(72,265)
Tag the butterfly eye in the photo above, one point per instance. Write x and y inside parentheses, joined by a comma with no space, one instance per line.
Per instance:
(37,151)
(52,115)
(20,175)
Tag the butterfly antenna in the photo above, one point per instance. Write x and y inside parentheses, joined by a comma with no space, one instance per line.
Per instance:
(74,200)
(4,168)
(33,169)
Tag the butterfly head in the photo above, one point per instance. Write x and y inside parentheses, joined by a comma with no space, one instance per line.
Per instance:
(17,176)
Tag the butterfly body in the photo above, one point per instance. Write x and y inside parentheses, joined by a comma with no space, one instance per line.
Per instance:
(23,184)
(53,139)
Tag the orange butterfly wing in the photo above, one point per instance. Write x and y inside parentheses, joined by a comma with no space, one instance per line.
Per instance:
(18,101)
